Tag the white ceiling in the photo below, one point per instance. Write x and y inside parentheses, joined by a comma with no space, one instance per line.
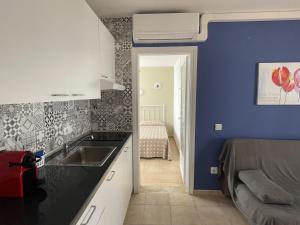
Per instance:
(159,60)
(118,8)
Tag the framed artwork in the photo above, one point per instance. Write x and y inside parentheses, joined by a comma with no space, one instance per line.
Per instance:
(278,83)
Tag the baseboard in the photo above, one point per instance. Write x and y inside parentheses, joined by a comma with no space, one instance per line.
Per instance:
(207,192)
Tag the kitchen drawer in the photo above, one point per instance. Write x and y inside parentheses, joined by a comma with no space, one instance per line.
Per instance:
(95,212)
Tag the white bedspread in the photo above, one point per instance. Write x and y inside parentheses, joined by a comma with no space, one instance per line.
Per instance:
(154,142)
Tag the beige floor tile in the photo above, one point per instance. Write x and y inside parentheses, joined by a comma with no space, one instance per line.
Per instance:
(185,215)
(155,214)
(159,171)
(212,215)
(206,200)
(224,201)
(181,199)
(170,188)
(162,179)
(138,199)
(157,198)
(234,216)
(135,214)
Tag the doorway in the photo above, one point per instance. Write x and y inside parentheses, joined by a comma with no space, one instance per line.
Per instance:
(169,156)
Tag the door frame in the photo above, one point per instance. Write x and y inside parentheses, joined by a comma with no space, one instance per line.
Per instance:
(192,52)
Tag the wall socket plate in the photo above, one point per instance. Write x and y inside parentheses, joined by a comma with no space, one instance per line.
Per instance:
(218,126)
(214,170)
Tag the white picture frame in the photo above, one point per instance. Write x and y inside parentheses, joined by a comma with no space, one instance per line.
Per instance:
(278,83)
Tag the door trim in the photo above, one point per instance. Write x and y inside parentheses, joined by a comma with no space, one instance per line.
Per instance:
(192,52)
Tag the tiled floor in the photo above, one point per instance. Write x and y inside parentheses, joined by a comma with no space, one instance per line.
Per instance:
(177,208)
(159,172)
(162,200)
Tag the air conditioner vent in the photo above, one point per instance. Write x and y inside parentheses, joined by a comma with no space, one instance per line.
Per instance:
(169,27)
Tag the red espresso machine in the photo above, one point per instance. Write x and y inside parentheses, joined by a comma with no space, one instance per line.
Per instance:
(18,173)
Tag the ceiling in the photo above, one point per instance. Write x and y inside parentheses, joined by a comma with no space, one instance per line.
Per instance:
(119,8)
(158,60)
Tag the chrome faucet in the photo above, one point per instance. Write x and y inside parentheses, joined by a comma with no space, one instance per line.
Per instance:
(67,146)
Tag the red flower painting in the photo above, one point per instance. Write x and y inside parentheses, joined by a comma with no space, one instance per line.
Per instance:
(283,78)
(280,76)
(278,83)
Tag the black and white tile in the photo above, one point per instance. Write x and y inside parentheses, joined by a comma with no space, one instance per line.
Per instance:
(44,126)
(113,112)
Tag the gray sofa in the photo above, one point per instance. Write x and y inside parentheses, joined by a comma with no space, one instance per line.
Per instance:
(279,160)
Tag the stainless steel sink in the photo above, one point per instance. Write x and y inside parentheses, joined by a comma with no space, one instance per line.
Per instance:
(89,155)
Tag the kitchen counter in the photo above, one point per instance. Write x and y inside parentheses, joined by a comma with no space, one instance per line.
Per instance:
(65,191)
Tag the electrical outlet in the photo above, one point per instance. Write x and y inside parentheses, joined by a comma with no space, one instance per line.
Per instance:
(213,170)
(218,126)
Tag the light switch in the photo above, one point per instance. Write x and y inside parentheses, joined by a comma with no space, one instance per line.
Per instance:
(213,170)
(218,126)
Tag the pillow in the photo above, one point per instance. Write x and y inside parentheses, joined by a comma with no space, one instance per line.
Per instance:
(152,123)
(265,189)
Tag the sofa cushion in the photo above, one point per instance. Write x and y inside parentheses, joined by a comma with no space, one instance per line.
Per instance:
(265,189)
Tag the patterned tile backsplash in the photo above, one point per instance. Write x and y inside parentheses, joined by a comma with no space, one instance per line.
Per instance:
(44,126)
(113,112)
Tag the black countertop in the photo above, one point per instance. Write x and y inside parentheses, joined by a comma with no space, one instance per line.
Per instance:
(64,193)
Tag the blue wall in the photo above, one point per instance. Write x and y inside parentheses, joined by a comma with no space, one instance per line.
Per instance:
(227,85)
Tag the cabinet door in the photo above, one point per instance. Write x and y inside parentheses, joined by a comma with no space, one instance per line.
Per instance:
(34,54)
(120,182)
(84,75)
(104,220)
(97,207)
(107,53)
(126,177)
(129,171)
(115,212)
(48,48)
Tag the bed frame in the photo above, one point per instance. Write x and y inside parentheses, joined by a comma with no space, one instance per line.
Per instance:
(152,112)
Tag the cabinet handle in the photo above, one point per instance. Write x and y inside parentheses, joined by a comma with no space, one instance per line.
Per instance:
(126,149)
(89,215)
(104,76)
(60,95)
(78,95)
(112,174)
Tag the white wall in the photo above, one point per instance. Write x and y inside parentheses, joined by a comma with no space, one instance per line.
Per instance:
(177,102)
(163,96)
(179,71)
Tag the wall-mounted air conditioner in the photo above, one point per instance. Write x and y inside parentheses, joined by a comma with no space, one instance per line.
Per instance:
(166,27)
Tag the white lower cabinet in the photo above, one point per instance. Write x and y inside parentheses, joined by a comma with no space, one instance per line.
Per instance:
(109,204)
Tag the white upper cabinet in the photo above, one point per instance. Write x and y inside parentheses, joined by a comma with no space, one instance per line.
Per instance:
(85,52)
(107,53)
(49,51)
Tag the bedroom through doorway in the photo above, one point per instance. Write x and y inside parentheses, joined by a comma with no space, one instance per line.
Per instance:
(162,121)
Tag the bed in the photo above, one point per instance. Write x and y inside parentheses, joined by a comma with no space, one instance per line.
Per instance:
(153,136)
